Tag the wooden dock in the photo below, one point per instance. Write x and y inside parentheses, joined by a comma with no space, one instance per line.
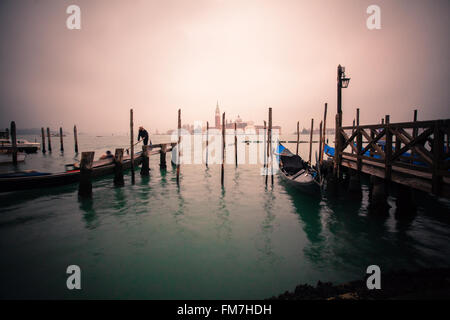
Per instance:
(415,154)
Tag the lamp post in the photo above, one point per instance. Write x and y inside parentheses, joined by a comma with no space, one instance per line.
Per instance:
(342,82)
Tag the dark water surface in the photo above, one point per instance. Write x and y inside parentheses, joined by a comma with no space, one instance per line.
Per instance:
(153,240)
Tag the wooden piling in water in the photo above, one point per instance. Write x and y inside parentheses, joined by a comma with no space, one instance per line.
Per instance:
(310,140)
(298,136)
(378,196)
(145,168)
(49,140)
(358,143)
(61,139)
(337,147)
(414,134)
(178,146)
(118,168)
(222,178)
(438,153)
(324,133)
(320,142)
(405,202)
(162,157)
(132,145)
(271,151)
(207,142)
(85,186)
(14,142)
(75,138)
(265,147)
(388,151)
(43,140)
(235,145)
(269,147)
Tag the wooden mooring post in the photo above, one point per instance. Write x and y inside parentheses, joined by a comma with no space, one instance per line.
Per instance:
(265,147)
(85,186)
(310,140)
(162,157)
(324,133)
(43,140)
(320,142)
(337,149)
(388,151)
(354,186)
(145,168)
(378,196)
(75,138)
(414,134)
(132,146)
(222,178)
(207,142)
(178,147)
(298,136)
(118,168)
(61,139)
(438,152)
(269,148)
(235,145)
(14,142)
(49,140)
(358,143)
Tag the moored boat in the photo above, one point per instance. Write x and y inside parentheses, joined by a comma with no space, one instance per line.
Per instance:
(33,179)
(22,145)
(297,172)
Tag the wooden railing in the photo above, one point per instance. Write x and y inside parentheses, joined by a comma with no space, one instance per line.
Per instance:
(417,153)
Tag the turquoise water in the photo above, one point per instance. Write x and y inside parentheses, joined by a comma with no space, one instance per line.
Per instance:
(155,240)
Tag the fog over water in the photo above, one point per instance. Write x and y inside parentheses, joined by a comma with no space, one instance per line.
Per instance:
(158,56)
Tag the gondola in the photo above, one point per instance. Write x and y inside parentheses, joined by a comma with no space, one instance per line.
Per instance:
(298,173)
(33,179)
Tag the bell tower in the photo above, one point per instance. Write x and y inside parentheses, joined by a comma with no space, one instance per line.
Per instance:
(217,117)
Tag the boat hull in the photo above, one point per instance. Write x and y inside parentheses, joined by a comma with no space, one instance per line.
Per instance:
(8,184)
(304,184)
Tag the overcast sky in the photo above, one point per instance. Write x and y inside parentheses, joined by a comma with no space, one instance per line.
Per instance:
(158,56)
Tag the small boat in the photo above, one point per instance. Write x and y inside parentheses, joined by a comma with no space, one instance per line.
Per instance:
(297,172)
(32,179)
(22,145)
(407,157)
(7,157)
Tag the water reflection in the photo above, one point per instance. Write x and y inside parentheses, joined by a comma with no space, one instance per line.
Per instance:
(90,217)
(308,210)
(120,203)
(268,254)
(223,214)
(163,180)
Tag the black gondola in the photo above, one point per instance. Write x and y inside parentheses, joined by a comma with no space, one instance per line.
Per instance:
(33,179)
(297,172)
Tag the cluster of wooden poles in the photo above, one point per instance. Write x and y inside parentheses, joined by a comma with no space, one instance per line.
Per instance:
(43,149)
(322,133)
(268,140)
(61,141)
(87,159)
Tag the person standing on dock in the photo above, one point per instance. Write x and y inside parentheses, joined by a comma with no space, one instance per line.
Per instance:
(144,135)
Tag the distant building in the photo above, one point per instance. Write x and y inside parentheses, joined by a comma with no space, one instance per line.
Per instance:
(4,134)
(217,116)
(260,129)
(240,124)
